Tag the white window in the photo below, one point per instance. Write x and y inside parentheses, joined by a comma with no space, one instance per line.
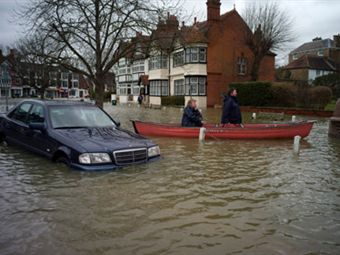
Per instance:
(136,90)
(122,62)
(158,62)
(320,53)
(64,80)
(53,79)
(195,55)
(179,87)
(159,88)
(295,56)
(195,85)
(122,90)
(241,65)
(75,80)
(178,59)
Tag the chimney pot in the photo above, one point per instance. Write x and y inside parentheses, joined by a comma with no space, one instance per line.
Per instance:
(214,9)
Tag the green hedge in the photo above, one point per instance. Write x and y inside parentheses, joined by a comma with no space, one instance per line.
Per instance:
(173,100)
(253,93)
(330,80)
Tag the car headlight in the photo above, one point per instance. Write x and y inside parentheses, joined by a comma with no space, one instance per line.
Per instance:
(154,151)
(94,158)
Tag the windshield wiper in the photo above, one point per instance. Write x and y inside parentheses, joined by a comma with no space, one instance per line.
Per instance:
(72,127)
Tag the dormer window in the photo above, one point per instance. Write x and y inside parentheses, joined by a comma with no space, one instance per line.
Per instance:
(320,53)
(295,56)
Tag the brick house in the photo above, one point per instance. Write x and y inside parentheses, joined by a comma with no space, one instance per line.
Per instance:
(198,61)
(26,79)
(313,59)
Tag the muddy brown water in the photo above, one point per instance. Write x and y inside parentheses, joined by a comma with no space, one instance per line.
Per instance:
(216,197)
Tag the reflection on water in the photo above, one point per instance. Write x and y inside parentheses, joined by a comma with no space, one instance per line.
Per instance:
(216,197)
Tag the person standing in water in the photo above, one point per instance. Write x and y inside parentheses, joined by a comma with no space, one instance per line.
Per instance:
(231,113)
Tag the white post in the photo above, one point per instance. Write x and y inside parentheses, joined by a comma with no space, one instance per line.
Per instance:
(293,118)
(297,144)
(253,116)
(202,134)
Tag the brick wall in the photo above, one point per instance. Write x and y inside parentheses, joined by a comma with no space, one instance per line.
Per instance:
(226,44)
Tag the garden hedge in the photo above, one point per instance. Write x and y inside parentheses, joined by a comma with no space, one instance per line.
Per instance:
(253,93)
(173,101)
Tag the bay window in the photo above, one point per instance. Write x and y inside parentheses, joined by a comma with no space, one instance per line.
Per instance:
(196,55)
(158,62)
(159,88)
(178,59)
(179,87)
(195,85)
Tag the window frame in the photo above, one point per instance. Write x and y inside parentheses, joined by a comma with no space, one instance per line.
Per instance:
(180,84)
(196,83)
(25,121)
(31,110)
(159,88)
(196,55)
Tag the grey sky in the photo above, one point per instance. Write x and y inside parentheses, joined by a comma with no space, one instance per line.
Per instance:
(312,18)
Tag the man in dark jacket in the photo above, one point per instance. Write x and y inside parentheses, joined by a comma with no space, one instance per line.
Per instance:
(231,109)
(191,115)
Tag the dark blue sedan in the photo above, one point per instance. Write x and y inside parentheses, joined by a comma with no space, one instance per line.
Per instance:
(78,134)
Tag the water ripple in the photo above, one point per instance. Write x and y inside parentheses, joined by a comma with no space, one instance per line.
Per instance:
(216,197)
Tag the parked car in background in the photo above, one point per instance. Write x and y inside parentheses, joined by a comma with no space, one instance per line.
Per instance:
(78,134)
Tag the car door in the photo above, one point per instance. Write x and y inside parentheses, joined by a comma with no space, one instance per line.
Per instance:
(39,140)
(16,124)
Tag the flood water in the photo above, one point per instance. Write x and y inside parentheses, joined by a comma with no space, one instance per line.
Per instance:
(215,197)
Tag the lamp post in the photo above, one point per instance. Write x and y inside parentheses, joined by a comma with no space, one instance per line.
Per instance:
(5,83)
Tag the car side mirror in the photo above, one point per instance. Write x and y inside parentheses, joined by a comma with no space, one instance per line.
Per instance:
(117,123)
(37,126)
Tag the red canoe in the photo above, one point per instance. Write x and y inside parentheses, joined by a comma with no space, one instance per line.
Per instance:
(249,131)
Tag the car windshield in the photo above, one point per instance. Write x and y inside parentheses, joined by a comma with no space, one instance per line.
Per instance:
(79,117)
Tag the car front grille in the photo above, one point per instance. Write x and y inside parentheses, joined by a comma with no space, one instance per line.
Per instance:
(130,156)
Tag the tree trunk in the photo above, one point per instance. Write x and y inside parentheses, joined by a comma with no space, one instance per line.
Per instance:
(99,91)
(254,73)
(42,93)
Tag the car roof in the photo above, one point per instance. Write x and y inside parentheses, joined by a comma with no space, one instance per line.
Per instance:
(58,102)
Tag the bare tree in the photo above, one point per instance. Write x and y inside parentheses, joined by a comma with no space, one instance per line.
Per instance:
(86,34)
(270,30)
(32,62)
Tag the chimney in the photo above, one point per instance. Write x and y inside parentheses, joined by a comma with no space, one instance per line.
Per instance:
(195,20)
(317,39)
(214,7)
(336,39)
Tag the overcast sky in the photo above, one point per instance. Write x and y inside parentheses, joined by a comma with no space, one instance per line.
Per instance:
(312,18)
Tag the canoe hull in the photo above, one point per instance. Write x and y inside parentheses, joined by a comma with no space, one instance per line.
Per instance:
(250,131)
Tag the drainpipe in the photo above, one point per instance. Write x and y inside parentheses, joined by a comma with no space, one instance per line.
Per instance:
(169,73)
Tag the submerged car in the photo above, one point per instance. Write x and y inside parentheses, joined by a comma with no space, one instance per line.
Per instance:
(78,134)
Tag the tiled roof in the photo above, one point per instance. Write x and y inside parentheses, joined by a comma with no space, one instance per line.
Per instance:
(192,34)
(312,62)
(318,44)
